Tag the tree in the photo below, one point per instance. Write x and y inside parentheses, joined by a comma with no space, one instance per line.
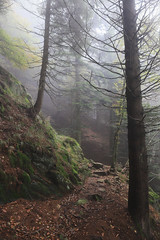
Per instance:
(67,21)
(138,171)
(4,4)
(42,81)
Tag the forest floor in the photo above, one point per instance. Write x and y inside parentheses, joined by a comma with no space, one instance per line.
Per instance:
(95,211)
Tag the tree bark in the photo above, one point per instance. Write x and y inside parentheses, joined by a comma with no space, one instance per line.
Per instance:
(76,118)
(138,174)
(38,104)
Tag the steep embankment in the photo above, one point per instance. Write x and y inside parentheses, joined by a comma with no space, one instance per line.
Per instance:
(34,160)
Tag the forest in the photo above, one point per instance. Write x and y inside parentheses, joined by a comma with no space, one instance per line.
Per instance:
(80,119)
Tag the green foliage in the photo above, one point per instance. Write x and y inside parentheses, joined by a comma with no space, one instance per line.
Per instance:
(19,159)
(3,176)
(123,177)
(8,191)
(51,132)
(82,201)
(61,237)
(3,144)
(13,49)
(40,188)
(7,91)
(26,178)
(154,198)
(2,108)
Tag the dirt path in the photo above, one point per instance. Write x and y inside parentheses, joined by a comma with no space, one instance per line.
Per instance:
(96,211)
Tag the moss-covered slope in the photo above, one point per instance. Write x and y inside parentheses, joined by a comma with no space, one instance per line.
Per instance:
(34,160)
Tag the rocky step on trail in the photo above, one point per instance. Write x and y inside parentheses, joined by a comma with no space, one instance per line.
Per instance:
(95,211)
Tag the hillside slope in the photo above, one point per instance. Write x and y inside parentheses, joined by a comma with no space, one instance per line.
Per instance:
(34,160)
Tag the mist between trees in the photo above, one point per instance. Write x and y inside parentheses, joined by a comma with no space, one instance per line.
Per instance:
(97,63)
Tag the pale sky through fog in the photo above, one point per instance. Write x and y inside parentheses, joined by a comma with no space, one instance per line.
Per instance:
(29,17)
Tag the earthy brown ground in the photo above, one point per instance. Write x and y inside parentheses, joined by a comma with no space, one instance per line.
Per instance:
(103,216)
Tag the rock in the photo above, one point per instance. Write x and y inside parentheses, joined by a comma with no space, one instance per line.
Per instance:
(52,175)
(94,175)
(117,179)
(101,189)
(100,173)
(95,197)
(113,173)
(107,181)
(97,165)
(100,180)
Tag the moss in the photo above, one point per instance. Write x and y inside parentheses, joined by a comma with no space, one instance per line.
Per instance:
(3,144)
(27,101)
(71,141)
(66,157)
(123,177)
(50,131)
(24,191)
(74,179)
(61,170)
(74,171)
(3,176)
(82,201)
(21,160)
(2,108)
(2,193)
(7,91)
(70,160)
(26,178)
(55,157)
(13,160)
(40,188)
(154,199)
(7,192)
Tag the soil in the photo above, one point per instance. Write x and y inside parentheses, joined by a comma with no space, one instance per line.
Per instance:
(95,211)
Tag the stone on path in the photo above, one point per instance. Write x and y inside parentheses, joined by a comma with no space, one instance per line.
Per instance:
(100,173)
(101,180)
(95,197)
(97,165)
(101,189)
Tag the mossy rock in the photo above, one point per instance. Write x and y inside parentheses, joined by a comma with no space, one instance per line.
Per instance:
(21,160)
(40,188)
(25,178)
(75,179)
(3,176)
(82,201)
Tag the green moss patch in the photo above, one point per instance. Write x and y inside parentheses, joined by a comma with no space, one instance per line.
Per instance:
(41,162)
(21,160)
(82,201)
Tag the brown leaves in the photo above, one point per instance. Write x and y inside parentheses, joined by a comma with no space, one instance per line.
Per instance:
(51,219)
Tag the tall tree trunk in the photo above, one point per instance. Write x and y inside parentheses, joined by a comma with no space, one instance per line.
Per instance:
(38,104)
(76,118)
(138,175)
